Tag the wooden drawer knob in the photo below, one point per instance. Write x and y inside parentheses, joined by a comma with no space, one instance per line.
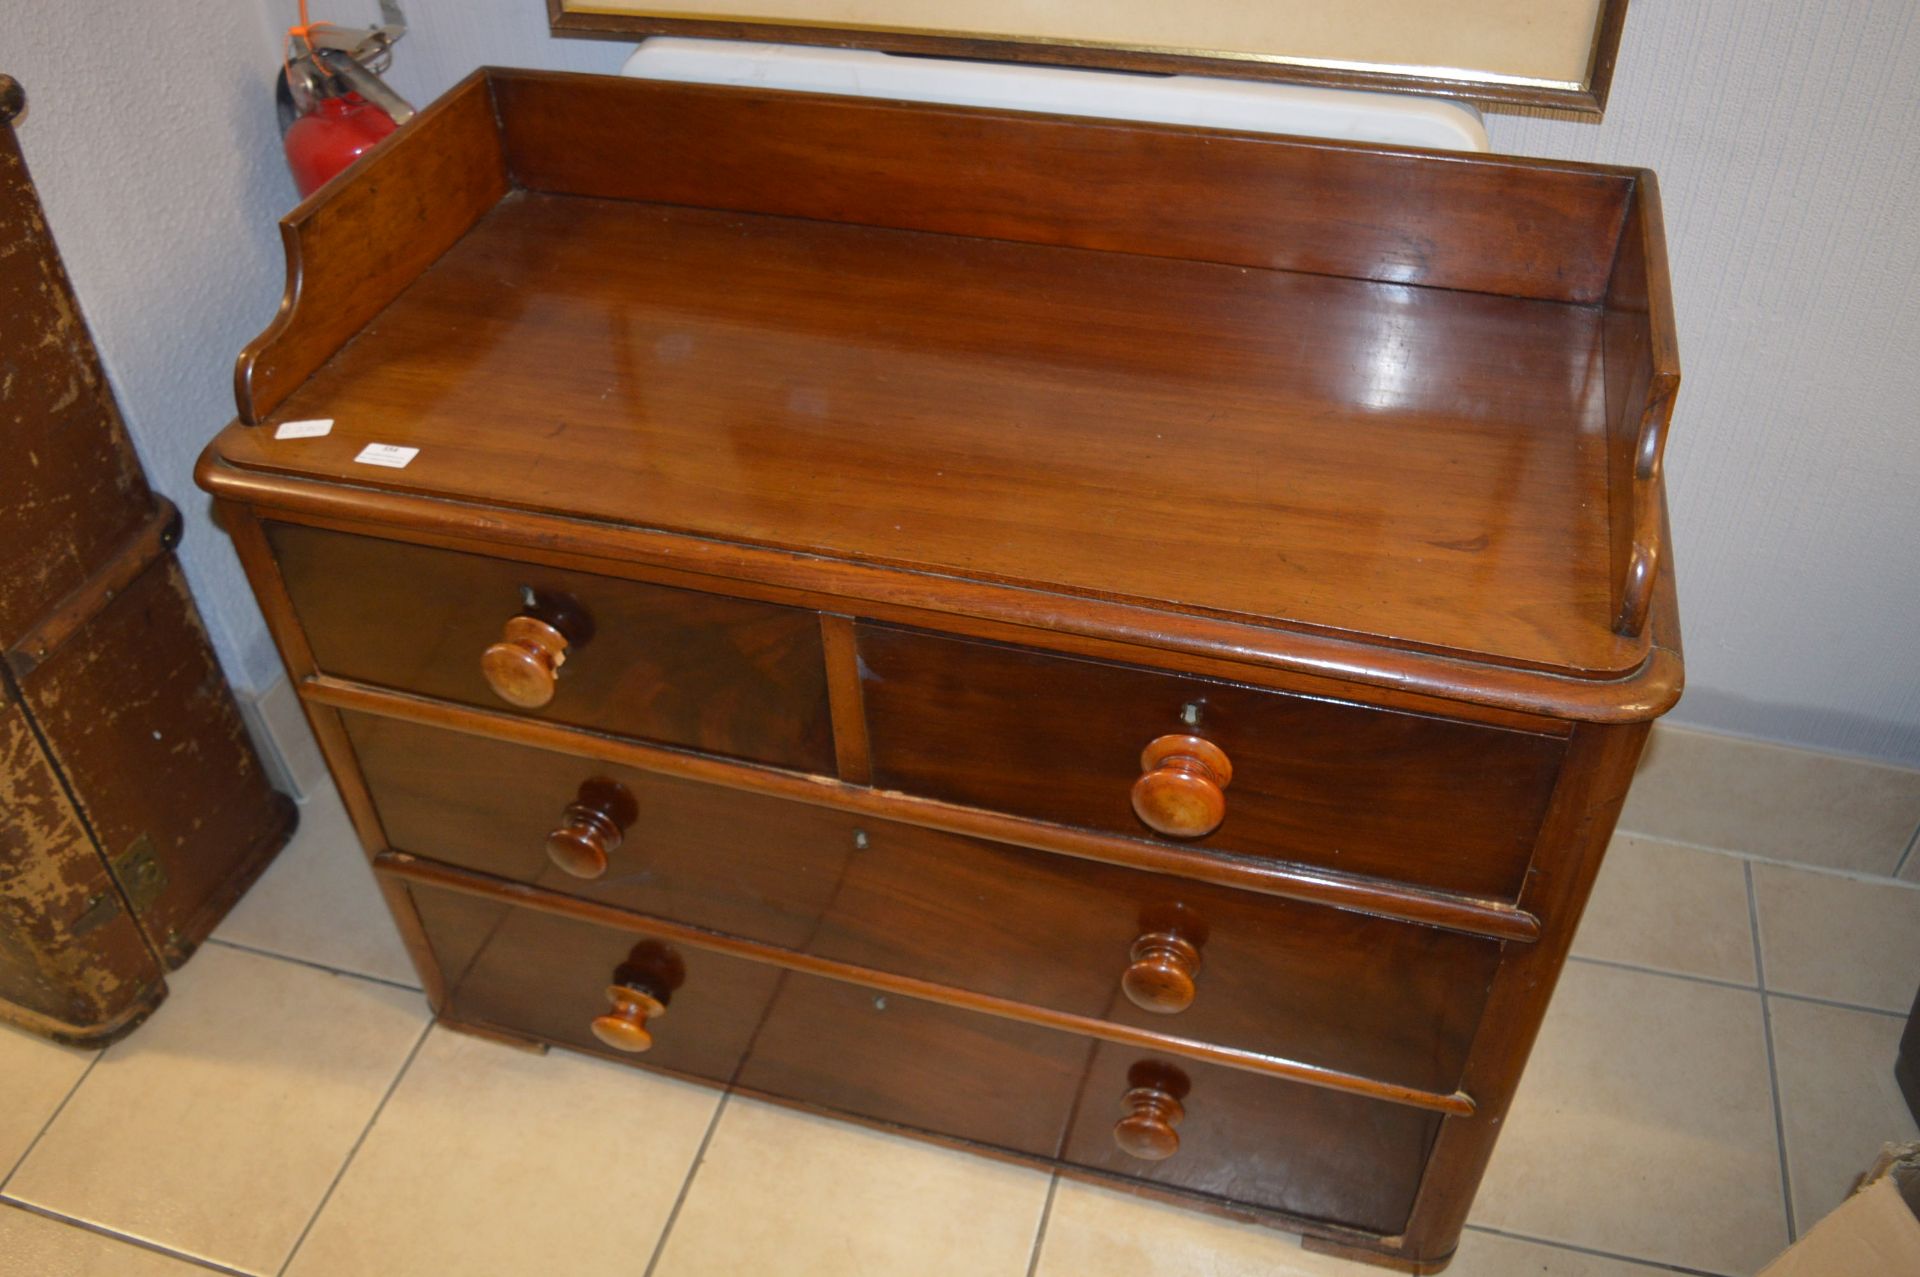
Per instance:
(522,666)
(1150,1110)
(592,828)
(625,1027)
(1181,790)
(641,988)
(1160,973)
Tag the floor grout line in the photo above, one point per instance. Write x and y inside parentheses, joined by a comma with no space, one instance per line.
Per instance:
(1773,1071)
(405,1066)
(1755,858)
(1618,965)
(686,1185)
(1735,985)
(1040,1233)
(1576,1248)
(47,1125)
(101,1230)
(313,964)
(1907,855)
(1777,995)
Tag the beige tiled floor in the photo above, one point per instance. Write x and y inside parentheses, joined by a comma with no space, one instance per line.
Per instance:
(1648,888)
(287,1110)
(1838,938)
(352,934)
(1839,1100)
(1773,801)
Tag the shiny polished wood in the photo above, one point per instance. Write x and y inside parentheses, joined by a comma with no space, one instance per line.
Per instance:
(649,365)
(1151,1112)
(1586,804)
(541,976)
(726,675)
(1469,914)
(852,753)
(625,1027)
(592,828)
(1642,368)
(1325,987)
(413,870)
(885,1057)
(354,246)
(1339,1158)
(1161,967)
(1111,630)
(1495,207)
(1182,787)
(1405,797)
(1012,445)
(523,666)
(1496,224)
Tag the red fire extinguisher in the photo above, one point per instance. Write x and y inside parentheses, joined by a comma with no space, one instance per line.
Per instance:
(333,104)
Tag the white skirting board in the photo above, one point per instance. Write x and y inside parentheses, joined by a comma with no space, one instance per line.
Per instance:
(286,744)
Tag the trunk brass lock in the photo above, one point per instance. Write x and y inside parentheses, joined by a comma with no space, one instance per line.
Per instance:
(141,876)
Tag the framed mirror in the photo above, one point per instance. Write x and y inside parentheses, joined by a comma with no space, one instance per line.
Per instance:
(1552,53)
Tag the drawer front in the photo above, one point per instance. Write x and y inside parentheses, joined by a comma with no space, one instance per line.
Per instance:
(723,675)
(935,1069)
(1403,796)
(549,977)
(1313,1153)
(1345,991)
(1239,1138)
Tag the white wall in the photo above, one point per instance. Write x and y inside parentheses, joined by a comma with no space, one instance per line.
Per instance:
(1787,137)
(151,138)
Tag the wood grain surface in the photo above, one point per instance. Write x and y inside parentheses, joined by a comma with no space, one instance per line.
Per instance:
(1474,915)
(1108,425)
(1349,992)
(1401,796)
(721,674)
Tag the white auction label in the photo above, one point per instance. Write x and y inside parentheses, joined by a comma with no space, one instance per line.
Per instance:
(303,429)
(386,454)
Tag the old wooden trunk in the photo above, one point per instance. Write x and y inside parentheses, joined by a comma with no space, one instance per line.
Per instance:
(133,807)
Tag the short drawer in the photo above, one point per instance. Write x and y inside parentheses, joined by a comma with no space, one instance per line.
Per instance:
(1409,797)
(1233,1136)
(1343,991)
(587,987)
(713,673)
(1244,1139)
(953,1073)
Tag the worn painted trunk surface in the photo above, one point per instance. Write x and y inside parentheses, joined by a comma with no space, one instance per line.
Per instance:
(133,807)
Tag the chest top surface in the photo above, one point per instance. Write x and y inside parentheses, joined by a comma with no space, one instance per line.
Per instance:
(1315,415)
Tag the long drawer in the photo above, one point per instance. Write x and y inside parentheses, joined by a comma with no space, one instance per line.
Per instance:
(1403,796)
(1359,994)
(719,674)
(1254,1141)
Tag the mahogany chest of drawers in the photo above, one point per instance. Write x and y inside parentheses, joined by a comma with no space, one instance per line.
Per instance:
(1118,645)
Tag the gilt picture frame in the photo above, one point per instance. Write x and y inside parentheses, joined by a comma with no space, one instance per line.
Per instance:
(1532,53)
